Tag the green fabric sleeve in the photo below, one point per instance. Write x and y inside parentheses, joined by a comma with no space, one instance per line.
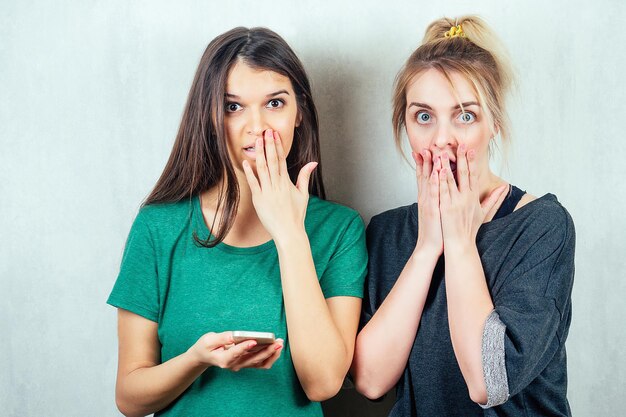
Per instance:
(347,267)
(136,288)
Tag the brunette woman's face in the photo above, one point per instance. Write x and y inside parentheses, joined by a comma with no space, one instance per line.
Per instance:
(435,120)
(257,100)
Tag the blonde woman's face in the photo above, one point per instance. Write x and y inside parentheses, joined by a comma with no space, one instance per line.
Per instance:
(257,100)
(436,122)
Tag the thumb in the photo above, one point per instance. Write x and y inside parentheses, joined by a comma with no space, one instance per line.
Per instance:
(488,203)
(218,340)
(302,184)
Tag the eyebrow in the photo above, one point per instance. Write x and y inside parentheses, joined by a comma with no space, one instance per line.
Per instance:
(458,106)
(276,93)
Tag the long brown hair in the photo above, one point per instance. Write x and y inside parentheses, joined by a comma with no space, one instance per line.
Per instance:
(199,160)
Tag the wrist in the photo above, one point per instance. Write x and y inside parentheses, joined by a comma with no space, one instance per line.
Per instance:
(453,247)
(426,252)
(194,359)
(292,238)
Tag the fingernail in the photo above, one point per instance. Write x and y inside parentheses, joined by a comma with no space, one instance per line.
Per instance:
(269,132)
(278,347)
(251,345)
(462,147)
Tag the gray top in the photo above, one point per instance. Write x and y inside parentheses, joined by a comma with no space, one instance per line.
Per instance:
(528,259)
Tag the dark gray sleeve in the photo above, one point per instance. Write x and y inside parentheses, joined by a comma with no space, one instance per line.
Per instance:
(534,302)
(389,245)
(493,359)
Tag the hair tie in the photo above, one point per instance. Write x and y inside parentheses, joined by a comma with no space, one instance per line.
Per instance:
(454,32)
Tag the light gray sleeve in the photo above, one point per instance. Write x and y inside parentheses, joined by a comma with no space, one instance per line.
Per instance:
(494,368)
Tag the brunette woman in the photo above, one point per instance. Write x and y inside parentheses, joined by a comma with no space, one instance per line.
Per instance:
(236,235)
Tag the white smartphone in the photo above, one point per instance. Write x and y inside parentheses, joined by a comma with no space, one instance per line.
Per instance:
(262,338)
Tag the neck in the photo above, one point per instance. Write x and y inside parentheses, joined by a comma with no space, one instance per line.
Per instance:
(247,229)
(488,183)
(245,209)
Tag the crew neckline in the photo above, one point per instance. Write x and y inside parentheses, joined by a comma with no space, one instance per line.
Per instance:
(203,232)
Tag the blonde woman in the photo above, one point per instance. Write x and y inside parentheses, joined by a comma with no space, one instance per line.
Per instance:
(467,304)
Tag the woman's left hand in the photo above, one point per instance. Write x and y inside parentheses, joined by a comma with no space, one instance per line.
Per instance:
(462,212)
(280,205)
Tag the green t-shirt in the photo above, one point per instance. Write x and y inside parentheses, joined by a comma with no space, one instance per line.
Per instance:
(189,290)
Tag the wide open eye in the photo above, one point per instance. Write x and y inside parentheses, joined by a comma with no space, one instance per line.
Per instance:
(466,117)
(275,103)
(232,107)
(423,117)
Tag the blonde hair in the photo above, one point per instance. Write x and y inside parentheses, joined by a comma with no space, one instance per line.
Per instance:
(478,56)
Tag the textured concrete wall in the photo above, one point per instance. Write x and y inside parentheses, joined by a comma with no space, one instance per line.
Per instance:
(91,97)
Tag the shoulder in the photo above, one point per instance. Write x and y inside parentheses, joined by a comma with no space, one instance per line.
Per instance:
(399,217)
(163,219)
(393,232)
(154,214)
(331,226)
(540,249)
(544,222)
(548,212)
(324,212)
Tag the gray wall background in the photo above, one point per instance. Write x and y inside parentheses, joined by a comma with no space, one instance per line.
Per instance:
(91,97)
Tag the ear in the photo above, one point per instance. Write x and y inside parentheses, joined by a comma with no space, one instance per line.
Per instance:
(496,130)
(298,118)
(301,104)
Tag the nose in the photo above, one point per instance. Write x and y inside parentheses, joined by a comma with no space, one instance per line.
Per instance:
(256,122)
(444,136)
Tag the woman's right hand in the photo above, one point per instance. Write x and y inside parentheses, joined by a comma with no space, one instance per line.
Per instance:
(219,349)
(429,235)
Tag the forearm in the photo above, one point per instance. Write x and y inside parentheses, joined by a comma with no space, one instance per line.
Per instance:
(469,305)
(383,346)
(320,356)
(148,389)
